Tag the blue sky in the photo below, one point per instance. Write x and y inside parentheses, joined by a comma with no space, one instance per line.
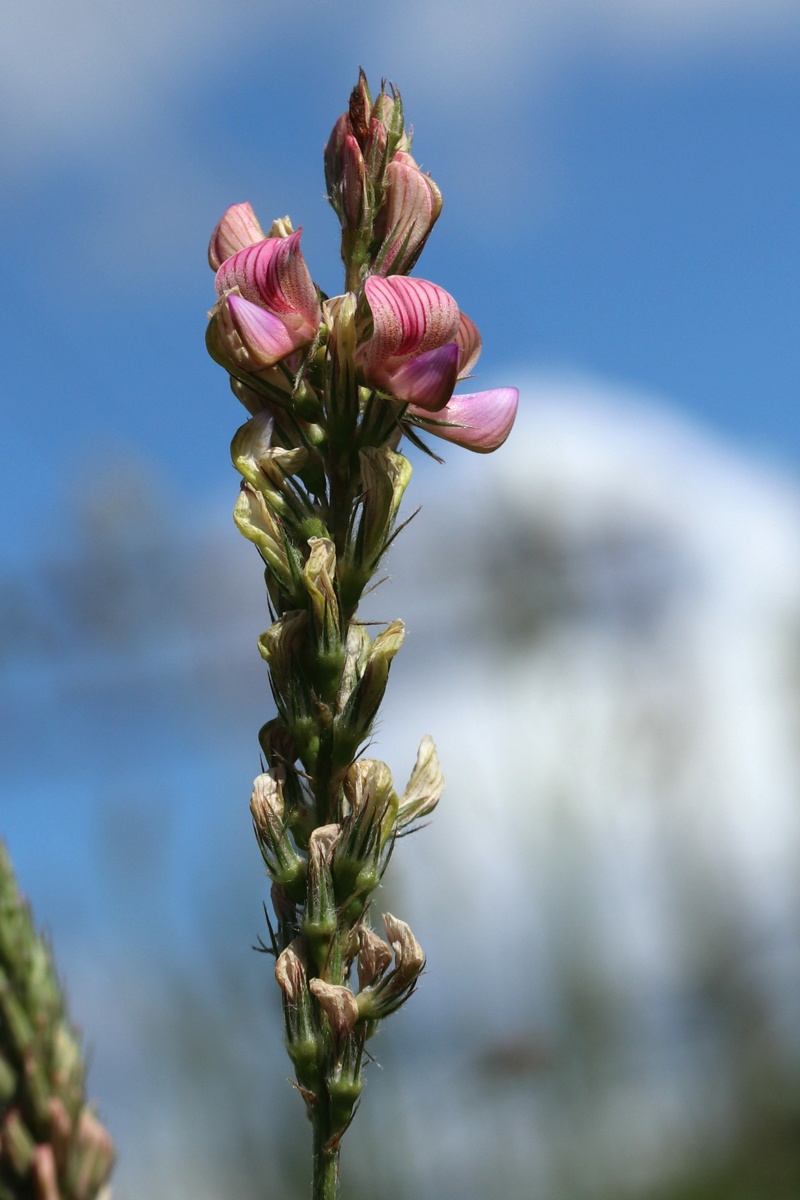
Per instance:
(621,192)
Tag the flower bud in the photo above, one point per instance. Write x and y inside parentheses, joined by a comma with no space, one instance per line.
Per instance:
(385,476)
(280,647)
(255,520)
(366,698)
(237,229)
(319,575)
(357,649)
(411,206)
(424,788)
(340,369)
(269,468)
(355,196)
(60,1130)
(388,111)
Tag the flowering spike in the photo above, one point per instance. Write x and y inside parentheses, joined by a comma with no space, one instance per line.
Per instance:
(332,385)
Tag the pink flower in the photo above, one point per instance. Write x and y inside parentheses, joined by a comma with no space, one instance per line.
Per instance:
(410,209)
(420,347)
(267,300)
(481,421)
(421,344)
(237,229)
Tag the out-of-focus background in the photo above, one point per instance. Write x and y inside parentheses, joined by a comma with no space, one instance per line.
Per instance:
(604,617)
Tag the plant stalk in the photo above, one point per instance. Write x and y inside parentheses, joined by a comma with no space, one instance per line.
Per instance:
(326,1164)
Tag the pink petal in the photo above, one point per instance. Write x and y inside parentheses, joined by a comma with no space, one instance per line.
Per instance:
(264,336)
(237,229)
(426,381)
(410,316)
(469,343)
(481,421)
(412,205)
(273,274)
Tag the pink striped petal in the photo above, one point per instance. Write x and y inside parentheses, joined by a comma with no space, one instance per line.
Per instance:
(412,205)
(469,343)
(410,317)
(481,421)
(426,381)
(273,274)
(264,336)
(237,229)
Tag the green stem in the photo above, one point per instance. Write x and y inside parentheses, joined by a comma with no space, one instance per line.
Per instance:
(326,1163)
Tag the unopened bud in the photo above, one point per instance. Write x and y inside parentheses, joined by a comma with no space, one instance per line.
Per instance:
(385,476)
(256,521)
(266,467)
(280,647)
(411,206)
(357,649)
(367,696)
(339,315)
(319,576)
